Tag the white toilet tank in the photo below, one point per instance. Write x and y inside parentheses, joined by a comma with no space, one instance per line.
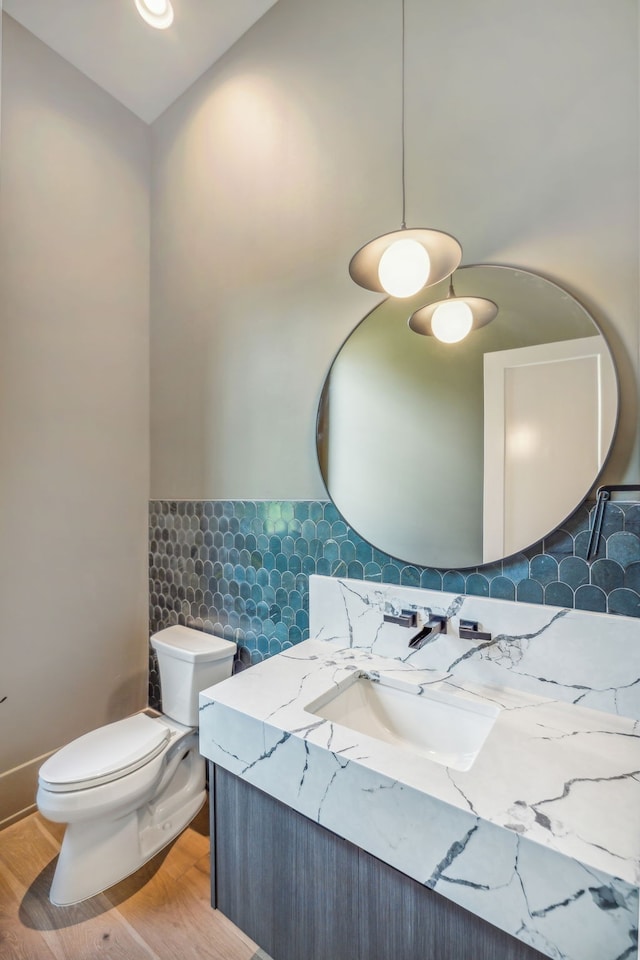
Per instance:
(189,661)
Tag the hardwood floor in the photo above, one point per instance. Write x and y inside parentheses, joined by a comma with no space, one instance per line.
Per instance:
(162,912)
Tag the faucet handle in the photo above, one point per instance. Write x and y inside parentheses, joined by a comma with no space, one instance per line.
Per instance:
(469,631)
(406,618)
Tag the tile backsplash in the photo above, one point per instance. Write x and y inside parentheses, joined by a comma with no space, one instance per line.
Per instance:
(240,568)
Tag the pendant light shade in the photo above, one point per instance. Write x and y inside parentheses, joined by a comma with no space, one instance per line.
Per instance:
(441,256)
(450,320)
(401,263)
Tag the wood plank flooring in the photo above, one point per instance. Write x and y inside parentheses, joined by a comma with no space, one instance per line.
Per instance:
(162,912)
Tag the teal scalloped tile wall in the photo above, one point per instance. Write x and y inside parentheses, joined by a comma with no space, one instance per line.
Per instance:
(240,568)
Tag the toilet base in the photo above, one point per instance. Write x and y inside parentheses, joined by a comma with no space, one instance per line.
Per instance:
(97,854)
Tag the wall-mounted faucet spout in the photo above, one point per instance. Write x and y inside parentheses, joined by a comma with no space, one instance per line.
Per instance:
(437,624)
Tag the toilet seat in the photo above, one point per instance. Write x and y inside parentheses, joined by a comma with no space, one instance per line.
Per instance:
(105,754)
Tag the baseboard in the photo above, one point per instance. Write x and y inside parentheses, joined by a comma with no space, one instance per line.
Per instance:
(18,789)
(20,815)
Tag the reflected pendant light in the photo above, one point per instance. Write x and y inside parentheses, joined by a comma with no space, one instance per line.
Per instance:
(157,13)
(405,261)
(452,319)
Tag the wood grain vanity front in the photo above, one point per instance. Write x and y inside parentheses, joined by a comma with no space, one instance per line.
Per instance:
(304,893)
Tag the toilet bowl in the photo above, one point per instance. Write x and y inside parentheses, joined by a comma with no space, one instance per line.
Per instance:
(129,788)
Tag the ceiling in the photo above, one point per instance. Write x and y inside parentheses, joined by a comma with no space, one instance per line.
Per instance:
(143,68)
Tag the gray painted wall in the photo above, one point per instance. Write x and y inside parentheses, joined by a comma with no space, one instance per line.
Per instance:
(522,141)
(74,260)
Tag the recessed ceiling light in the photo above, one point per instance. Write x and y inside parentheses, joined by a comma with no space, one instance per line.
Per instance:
(157,13)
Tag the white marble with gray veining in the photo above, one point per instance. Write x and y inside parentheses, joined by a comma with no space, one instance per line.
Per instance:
(588,658)
(541,837)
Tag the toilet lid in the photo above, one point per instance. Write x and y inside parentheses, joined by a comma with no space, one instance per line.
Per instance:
(105,754)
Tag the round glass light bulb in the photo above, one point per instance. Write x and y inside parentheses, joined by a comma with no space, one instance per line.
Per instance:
(452,321)
(157,13)
(404,268)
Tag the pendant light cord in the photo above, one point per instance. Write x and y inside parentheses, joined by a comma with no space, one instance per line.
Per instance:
(404,189)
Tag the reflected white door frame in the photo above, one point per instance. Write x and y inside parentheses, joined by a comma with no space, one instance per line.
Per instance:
(543,405)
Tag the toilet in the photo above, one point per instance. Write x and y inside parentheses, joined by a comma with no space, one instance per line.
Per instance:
(127,789)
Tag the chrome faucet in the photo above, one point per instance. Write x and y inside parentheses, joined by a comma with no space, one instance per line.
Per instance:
(437,624)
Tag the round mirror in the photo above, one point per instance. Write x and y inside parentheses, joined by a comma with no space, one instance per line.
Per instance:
(453,455)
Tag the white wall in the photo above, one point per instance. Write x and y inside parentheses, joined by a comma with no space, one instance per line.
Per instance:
(74,345)
(522,141)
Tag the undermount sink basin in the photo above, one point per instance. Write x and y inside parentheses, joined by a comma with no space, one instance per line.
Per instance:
(441,726)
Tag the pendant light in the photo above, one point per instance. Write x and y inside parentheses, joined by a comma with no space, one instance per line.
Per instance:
(452,319)
(401,263)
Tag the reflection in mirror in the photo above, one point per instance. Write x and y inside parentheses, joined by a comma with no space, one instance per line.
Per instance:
(454,455)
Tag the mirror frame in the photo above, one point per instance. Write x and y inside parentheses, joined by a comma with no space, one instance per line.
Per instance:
(429,296)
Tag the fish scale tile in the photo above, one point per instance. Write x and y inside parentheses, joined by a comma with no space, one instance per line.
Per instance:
(240,569)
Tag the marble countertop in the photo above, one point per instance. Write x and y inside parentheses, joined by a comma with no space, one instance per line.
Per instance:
(540,837)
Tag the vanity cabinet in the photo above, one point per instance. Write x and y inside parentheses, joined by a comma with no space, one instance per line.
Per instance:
(303,893)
